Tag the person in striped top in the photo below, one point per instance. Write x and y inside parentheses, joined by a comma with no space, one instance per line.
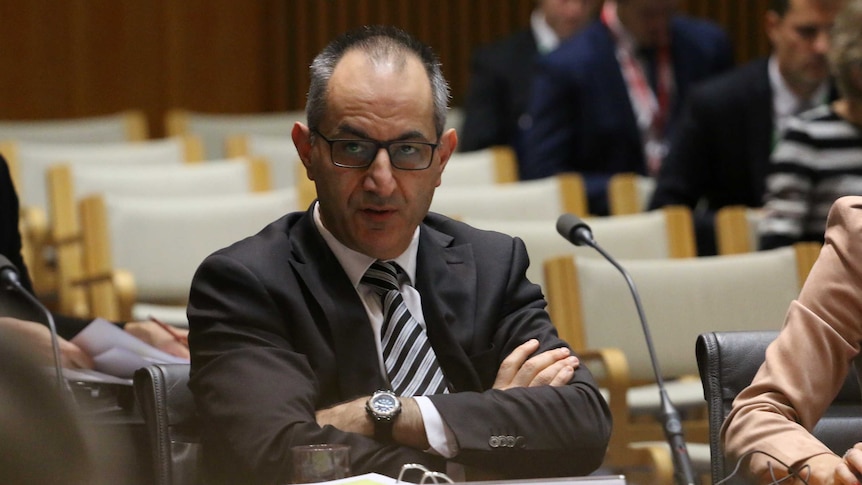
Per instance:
(819,158)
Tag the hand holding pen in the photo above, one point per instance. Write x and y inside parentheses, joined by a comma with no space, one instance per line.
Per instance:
(159,334)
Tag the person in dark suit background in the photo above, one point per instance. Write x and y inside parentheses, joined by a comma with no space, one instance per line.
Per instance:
(720,153)
(598,115)
(28,325)
(286,330)
(498,93)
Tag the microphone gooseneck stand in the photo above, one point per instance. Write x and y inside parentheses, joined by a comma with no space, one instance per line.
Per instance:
(576,231)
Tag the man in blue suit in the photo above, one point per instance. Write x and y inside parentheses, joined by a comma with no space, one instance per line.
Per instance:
(499,92)
(606,100)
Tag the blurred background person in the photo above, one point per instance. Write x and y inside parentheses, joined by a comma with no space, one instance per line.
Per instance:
(719,154)
(819,158)
(606,100)
(501,73)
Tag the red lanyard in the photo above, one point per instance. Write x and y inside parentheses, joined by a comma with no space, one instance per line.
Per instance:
(651,108)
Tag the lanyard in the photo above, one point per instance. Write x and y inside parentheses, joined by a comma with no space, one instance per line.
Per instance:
(651,108)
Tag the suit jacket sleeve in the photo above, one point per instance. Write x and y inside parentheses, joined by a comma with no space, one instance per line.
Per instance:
(808,362)
(557,431)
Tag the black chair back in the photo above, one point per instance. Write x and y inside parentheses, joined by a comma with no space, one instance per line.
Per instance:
(728,361)
(173,425)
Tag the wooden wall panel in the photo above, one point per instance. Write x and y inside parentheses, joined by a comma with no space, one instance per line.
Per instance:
(86,57)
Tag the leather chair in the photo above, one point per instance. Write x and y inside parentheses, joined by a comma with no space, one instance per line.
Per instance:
(728,361)
(173,426)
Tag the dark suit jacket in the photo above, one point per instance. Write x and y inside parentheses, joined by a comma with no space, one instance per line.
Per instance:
(499,92)
(278,331)
(583,120)
(720,151)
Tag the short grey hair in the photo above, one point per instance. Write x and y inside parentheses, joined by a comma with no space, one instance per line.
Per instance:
(379,42)
(845,52)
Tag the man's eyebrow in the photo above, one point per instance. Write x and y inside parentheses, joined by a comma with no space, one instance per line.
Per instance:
(351,130)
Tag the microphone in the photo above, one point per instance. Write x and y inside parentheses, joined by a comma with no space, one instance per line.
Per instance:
(577,232)
(10,281)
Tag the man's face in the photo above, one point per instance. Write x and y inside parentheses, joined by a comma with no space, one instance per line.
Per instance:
(648,21)
(375,210)
(567,16)
(800,41)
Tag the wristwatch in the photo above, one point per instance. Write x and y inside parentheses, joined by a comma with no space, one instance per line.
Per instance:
(383,407)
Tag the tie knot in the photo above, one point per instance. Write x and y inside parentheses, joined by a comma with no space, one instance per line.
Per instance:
(382,276)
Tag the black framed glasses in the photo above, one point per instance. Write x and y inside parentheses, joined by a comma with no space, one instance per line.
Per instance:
(360,153)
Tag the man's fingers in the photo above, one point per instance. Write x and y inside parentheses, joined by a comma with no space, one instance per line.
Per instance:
(513,362)
(557,374)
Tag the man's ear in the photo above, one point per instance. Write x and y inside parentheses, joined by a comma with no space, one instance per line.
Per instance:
(301,135)
(448,143)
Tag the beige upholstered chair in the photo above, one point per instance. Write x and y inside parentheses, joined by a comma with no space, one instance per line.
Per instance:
(128,125)
(28,165)
(278,150)
(629,193)
(736,229)
(534,199)
(67,184)
(591,306)
(158,244)
(215,128)
(663,233)
(492,165)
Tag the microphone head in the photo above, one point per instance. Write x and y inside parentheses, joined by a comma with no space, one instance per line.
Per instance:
(8,272)
(574,229)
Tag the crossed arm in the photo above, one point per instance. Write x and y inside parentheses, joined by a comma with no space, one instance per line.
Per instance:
(553,367)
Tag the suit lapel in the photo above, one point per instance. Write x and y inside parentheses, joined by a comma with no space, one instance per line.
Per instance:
(345,319)
(446,281)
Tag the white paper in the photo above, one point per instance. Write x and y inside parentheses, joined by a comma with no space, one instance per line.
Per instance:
(118,353)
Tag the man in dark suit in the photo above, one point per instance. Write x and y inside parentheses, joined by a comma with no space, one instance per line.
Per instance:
(606,100)
(290,338)
(719,155)
(500,74)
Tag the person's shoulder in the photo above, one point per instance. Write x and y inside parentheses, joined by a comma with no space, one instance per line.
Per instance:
(275,236)
(463,233)
(742,81)
(697,29)
(585,47)
(501,52)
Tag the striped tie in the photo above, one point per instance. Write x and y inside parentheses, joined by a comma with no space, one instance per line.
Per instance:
(407,354)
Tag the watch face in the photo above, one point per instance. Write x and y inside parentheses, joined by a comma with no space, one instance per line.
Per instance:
(385,405)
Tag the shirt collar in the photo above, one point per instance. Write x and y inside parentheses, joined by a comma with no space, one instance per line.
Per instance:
(546,38)
(355,264)
(784,102)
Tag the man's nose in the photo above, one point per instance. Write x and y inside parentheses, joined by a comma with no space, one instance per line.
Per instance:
(380,178)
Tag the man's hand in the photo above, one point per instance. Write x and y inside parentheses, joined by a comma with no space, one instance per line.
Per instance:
(153,334)
(552,367)
(37,339)
(348,416)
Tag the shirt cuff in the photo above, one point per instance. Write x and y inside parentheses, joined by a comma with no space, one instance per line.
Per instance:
(440,436)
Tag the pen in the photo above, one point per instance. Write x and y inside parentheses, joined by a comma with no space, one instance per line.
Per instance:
(179,338)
